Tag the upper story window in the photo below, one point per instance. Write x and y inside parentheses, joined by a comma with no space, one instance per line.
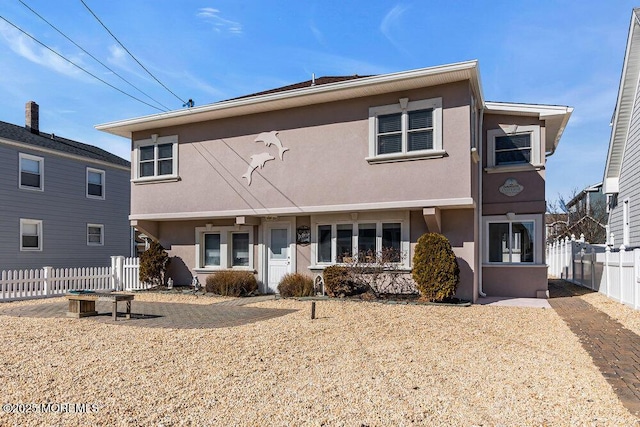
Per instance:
(514,147)
(95,183)
(407,130)
(30,235)
(31,172)
(156,159)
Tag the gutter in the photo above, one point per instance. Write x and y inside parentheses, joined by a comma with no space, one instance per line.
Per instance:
(479,208)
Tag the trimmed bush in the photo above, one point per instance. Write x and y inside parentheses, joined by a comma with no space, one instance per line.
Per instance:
(231,283)
(295,285)
(153,264)
(339,282)
(435,267)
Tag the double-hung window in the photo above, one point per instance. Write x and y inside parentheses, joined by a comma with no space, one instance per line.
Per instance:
(31,172)
(156,158)
(95,183)
(513,146)
(219,248)
(30,235)
(405,131)
(511,242)
(95,234)
(362,242)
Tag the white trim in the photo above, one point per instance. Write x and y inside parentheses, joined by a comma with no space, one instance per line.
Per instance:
(39,149)
(509,130)
(538,229)
(225,248)
(38,223)
(38,159)
(404,107)
(101,227)
(462,202)
(155,141)
(366,86)
(104,183)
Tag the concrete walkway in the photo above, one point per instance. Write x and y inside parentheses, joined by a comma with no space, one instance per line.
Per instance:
(615,350)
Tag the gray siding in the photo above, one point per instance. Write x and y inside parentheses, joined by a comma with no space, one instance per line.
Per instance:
(629,183)
(65,212)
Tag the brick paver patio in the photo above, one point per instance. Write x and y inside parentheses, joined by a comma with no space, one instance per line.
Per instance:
(162,315)
(615,350)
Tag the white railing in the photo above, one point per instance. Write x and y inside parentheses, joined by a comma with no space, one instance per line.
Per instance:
(48,281)
(614,273)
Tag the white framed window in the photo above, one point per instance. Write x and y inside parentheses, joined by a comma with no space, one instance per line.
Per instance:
(31,172)
(335,240)
(513,239)
(514,147)
(30,234)
(408,130)
(625,222)
(221,248)
(95,183)
(156,159)
(95,234)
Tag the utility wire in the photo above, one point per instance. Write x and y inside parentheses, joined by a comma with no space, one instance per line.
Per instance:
(76,65)
(134,58)
(93,57)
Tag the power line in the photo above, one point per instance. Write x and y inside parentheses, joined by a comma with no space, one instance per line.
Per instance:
(93,57)
(76,65)
(134,58)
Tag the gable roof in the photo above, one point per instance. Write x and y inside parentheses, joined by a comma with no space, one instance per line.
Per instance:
(624,106)
(303,94)
(13,133)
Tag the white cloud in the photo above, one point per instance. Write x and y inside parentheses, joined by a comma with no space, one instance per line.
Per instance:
(219,23)
(30,50)
(317,34)
(390,22)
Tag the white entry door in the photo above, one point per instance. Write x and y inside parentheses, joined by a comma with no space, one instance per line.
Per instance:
(278,255)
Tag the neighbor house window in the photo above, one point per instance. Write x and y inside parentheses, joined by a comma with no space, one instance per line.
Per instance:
(31,172)
(511,242)
(30,235)
(513,146)
(365,242)
(219,248)
(95,183)
(407,130)
(156,158)
(95,234)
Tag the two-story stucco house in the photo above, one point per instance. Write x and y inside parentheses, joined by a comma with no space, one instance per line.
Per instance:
(305,176)
(621,178)
(63,203)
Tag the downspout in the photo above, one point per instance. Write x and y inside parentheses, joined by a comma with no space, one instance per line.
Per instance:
(479,207)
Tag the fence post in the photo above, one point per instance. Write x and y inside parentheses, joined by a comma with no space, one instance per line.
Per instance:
(607,256)
(620,272)
(47,280)
(593,268)
(117,272)
(636,278)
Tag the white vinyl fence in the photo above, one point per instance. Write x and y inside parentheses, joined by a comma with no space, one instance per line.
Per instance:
(612,272)
(48,281)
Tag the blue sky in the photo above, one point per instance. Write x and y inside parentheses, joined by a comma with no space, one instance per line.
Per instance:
(543,51)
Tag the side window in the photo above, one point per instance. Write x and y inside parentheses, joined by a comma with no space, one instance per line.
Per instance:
(95,183)
(31,172)
(30,235)
(95,234)
(156,158)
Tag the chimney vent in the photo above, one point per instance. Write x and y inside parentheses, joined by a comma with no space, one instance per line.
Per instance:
(32,117)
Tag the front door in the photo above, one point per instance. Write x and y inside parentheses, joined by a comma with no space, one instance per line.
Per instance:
(278,255)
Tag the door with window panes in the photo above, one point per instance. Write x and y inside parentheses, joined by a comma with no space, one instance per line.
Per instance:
(278,254)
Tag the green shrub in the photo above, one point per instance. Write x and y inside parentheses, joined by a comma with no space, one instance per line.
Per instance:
(295,285)
(153,264)
(231,283)
(435,267)
(339,282)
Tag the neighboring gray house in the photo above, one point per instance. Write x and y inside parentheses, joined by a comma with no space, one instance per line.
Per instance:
(622,175)
(64,203)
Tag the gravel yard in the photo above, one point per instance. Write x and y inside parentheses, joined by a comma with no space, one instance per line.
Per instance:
(357,364)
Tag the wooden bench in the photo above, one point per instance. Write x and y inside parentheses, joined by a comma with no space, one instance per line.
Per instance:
(84,304)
